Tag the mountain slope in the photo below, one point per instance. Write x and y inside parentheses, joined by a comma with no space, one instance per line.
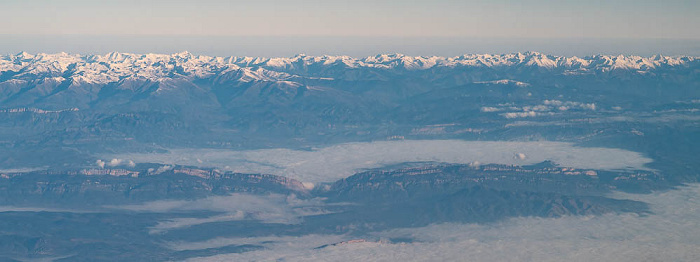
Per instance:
(82,104)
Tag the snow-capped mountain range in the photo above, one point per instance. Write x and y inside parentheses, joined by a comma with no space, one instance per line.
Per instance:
(115,67)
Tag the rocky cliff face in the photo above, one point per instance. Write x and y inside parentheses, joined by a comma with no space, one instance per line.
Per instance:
(418,196)
(92,188)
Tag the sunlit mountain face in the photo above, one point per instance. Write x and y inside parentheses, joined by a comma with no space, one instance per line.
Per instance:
(151,157)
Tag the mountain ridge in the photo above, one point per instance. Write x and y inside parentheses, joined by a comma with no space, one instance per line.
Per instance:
(115,66)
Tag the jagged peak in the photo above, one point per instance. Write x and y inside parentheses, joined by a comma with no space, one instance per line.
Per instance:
(24,54)
(183,54)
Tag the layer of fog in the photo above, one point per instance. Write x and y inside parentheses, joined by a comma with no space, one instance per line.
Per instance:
(272,208)
(339,161)
(4,209)
(293,242)
(21,170)
(656,118)
(671,233)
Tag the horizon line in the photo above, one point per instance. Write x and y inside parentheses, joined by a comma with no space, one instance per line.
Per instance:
(357,36)
(530,52)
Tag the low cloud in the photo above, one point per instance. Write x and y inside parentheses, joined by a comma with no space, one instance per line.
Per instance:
(114,162)
(161,169)
(273,208)
(520,114)
(175,223)
(671,233)
(22,170)
(548,107)
(331,163)
(489,109)
(40,209)
(279,243)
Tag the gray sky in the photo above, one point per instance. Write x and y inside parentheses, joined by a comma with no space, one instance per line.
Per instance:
(139,23)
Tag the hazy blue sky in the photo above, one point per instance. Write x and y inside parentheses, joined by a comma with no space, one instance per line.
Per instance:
(361,19)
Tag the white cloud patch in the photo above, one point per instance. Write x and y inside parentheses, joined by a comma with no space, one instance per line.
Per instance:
(273,208)
(114,162)
(40,209)
(162,169)
(505,82)
(548,107)
(339,161)
(175,223)
(288,243)
(658,117)
(520,114)
(22,170)
(489,109)
(672,233)
(570,104)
